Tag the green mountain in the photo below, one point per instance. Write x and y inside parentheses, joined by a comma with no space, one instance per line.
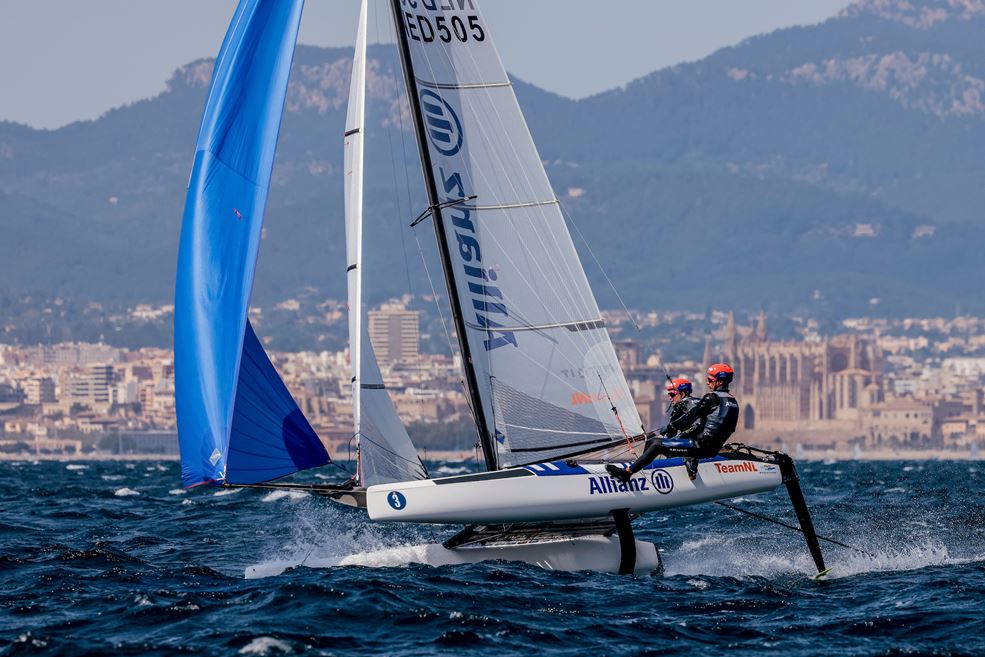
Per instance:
(834,168)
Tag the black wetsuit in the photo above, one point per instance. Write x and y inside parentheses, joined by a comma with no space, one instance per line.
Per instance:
(698,432)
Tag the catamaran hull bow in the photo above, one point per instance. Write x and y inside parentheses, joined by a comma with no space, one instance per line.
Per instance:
(555,491)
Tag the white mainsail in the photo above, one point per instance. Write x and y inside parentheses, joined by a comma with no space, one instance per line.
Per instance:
(386,452)
(545,369)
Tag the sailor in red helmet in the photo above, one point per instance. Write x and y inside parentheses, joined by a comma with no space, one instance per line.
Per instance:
(698,432)
(679,393)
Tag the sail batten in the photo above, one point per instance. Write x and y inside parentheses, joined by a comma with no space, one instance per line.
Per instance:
(452,85)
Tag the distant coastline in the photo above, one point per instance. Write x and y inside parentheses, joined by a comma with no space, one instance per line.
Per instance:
(467,457)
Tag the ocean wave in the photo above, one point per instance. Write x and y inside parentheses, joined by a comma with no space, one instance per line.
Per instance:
(226,575)
(264,646)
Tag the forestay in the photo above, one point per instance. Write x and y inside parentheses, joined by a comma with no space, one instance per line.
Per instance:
(546,370)
(386,453)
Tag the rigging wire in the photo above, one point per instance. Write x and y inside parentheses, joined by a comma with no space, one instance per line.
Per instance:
(567,215)
(793,527)
(393,169)
(615,411)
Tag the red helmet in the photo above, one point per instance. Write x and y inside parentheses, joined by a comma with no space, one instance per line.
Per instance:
(720,372)
(679,386)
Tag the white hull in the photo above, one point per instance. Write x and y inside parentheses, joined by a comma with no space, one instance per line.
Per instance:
(598,553)
(556,491)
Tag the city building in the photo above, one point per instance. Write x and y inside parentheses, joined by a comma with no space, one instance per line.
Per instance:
(94,386)
(40,390)
(802,385)
(395,333)
(10,395)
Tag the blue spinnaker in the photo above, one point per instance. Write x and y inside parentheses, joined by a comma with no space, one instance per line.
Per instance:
(270,436)
(236,423)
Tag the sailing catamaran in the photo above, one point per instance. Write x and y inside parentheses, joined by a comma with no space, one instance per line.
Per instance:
(550,402)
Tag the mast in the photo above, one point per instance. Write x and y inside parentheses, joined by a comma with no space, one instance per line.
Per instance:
(353,147)
(471,382)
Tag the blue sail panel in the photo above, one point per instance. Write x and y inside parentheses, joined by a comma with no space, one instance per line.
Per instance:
(220,233)
(270,436)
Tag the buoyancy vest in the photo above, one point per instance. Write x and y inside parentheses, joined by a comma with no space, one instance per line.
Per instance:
(680,409)
(720,424)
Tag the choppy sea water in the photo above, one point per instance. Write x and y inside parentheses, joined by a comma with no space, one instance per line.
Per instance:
(116,558)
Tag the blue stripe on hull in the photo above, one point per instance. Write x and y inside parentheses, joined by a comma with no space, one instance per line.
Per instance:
(560,468)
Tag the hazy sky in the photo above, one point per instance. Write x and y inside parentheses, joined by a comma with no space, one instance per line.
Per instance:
(63,60)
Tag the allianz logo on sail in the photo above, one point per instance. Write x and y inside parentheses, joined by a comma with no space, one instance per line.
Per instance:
(444,128)
(446,135)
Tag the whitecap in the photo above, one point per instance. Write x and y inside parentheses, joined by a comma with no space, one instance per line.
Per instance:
(112,477)
(699,584)
(76,467)
(142,601)
(265,645)
(227,491)
(449,470)
(186,501)
(177,491)
(26,638)
(125,492)
(748,500)
(273,496)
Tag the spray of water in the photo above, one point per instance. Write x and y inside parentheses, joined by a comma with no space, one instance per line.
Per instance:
(748,556)
(328,535)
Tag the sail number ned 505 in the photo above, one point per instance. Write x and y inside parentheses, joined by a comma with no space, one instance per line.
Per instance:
(446,29)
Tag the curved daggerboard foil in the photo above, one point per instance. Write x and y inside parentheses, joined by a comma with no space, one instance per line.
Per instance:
(237,423)
(545,366)
(386,453)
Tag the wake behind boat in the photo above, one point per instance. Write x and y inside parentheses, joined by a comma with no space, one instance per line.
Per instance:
(550,403)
